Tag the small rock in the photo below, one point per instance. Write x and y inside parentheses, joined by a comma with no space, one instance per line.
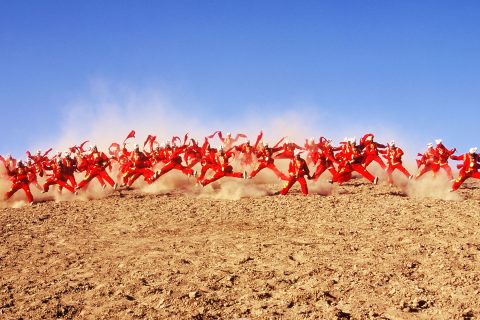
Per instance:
(468,314)
(245,259)
(373,314)
(193,294)
(342,315)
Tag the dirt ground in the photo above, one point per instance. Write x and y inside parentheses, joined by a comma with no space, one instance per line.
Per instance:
(358,252)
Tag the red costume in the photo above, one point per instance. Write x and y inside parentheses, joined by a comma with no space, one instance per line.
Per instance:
(39,160)
(158,156)
(371,151)
(20,178)
(174,161)
(58,176)
(297,171)
(32,174)
(228,141)
(70,165)
(469,168)
(139,165)
(443,155)
(265,160)
(288,150)
(350,159)
(96,164)
(313,151)
(247,153)
(208,161)
(429,161)
(394,162)
(193,154)
(326,160)
(223,168)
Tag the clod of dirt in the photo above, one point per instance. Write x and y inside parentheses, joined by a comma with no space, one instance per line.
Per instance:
(342,315)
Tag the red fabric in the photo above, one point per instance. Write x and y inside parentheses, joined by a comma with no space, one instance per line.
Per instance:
(297,170)
(469,168)
(130,135)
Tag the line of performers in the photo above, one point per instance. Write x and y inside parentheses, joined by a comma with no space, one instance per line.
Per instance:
(187,155)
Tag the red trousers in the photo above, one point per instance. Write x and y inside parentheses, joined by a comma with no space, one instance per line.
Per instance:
(345,173)
(17,186)
(392,168)
(361,169)
(71,179)
(428,167)
(321,169)
(220,174)
(370,158)
(62,183)
(134,174)
(342,176)
(291,181)
(270,165)
(175,165)
(464,176)
(313,157)
(447,169)
(204,170)
(101,176)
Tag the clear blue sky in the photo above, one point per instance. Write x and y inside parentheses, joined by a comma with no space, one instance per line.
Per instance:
(411,64)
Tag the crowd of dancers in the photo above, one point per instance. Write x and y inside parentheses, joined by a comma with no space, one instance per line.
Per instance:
(120,167)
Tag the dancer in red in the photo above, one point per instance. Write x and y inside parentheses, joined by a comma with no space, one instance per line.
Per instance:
(351,159)
(297,171)
(97,163)
(208,161)
(10,163)
(394,156)
(370,151)
(247,153)
(32,174)
(327,159)
(223,168)
(193,154)
(288,150)
(313,151)
(266,160)
(139,166)
(443,155)
(469,168)
(356,160)
(429,161)
(174,161)
(58,176)
(228,142)
(344,160)
(158,155)
(70,165)
(39,160)
(20,180)
(344,171)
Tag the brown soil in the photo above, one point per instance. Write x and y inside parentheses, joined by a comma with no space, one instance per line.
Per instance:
(362,252)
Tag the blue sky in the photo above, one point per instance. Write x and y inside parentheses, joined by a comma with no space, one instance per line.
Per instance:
(410,65)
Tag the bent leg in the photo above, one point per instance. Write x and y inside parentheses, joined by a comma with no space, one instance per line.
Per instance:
(288,185)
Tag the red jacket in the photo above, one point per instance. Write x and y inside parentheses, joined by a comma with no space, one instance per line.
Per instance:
(443,153)
(393,155)
(298,168)
(470,162)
